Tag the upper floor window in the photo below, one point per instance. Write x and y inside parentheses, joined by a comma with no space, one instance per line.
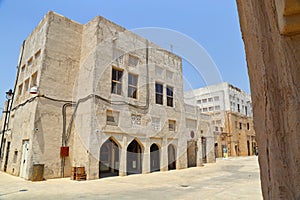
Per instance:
(241,126)
(116,81)
(248,126)
(158,93)
(132,85)
(210,99)
(238,107)
(169,96)
(204,100)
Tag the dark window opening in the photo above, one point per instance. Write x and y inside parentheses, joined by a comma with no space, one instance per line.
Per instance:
(132,85)
(116,81)
(159,93)
(169,96)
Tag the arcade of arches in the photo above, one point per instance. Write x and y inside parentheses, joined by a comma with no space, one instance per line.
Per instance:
(111,151)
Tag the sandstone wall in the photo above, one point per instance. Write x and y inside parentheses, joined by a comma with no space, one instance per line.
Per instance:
(273,58)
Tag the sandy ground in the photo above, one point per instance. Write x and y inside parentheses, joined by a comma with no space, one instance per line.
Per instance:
(232,178)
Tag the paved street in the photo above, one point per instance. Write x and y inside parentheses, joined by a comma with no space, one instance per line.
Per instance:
(233,178)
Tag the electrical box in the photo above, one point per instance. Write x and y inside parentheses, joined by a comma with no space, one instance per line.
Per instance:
(64,151)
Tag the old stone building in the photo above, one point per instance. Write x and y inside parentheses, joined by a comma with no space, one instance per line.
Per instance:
(230,109)
(238,136)
(100,97)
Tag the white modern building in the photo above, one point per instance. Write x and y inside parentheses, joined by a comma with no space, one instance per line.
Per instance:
(230,109)
(220,97)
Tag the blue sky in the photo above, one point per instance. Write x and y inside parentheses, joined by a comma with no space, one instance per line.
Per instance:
(212,24)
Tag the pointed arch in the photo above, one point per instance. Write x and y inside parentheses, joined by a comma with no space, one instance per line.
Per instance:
(109,158)
(154,158)
(134,157)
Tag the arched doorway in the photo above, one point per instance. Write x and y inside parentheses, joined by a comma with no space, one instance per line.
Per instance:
(171,157)
(134,158)
(109,159)
(154,158)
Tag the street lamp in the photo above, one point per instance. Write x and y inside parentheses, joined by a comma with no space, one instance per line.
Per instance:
(9,96)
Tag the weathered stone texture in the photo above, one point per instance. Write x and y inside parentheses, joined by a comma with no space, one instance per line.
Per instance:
(75,64)
(274,68)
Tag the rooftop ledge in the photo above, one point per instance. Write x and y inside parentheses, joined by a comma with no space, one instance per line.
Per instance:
(288,12)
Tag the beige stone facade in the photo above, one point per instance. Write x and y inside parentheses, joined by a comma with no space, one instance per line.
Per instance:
(238,136)
(110,98)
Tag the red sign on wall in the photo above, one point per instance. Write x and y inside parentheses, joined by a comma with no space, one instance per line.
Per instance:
(64,151)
